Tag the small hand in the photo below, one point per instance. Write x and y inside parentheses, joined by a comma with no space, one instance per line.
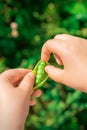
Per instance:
(16,97)
(71,52)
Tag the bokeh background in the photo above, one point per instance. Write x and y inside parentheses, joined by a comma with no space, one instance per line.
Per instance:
(24,27)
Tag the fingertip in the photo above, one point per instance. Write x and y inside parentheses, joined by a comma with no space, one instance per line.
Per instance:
(32,102)
(48,67)
(45,53)
(44,57)
(54,73)
(37,93)
(31,75)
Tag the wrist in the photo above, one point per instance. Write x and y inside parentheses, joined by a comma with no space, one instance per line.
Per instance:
(10,122)
(11,126)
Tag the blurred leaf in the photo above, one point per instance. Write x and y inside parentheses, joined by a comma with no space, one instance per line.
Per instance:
(60,107)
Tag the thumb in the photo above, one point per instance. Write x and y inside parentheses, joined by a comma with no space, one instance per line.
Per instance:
(55,73)
(28,82)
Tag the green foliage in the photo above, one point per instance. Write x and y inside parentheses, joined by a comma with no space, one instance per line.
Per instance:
(24,27)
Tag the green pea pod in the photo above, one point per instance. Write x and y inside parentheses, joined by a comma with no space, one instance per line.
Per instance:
(40,75)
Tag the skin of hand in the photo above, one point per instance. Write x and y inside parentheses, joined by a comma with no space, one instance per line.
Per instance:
(16,98)
(71,52)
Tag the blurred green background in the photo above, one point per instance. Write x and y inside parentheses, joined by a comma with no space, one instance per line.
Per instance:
(24,27)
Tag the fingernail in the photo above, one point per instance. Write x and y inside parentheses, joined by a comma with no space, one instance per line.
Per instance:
(43,58)
(31,74)
(47,68)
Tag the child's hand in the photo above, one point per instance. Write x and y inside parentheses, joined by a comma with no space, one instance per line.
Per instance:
(15,98)
(71,52)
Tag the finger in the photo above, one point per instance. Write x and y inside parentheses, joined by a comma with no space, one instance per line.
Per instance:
(55,73)
(32,102)
(58,59)
(37,93)
(52,46)
(28,82)
(14,75)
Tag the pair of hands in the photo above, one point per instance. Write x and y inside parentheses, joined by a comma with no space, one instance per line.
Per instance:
(16,84)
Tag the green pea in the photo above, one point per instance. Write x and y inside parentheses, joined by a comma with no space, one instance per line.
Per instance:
(37,81)
(38,78)
(41,67)
(40,71)
(42,63)
(40,74)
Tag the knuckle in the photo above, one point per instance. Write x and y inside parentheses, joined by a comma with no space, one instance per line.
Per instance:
(6,72)
(62,36)
(48,42)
